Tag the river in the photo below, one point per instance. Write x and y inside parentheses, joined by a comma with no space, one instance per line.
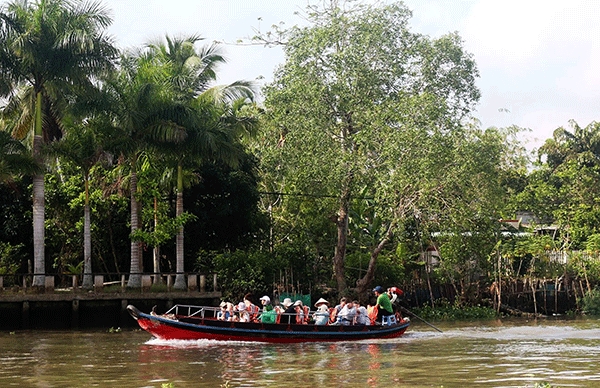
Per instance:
(498,353)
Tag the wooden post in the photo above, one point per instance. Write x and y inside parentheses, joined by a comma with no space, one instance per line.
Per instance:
(98,283)
(123,283)
(25,315)
(49,283)
(215,282)
(75,314)
(169,282)
(202,283)
(1,283)
(75,283)
(146,282)
(192,282)
(124,313)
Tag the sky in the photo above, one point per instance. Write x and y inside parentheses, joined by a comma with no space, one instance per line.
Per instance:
(539,60)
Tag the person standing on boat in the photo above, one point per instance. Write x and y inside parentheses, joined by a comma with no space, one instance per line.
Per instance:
(384,305)
(395,295)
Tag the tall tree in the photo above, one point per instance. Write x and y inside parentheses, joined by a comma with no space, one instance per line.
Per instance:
(565,186)
(357,82)
(143,108)
(50,49)
(14,159)
(212,132)
(84,147)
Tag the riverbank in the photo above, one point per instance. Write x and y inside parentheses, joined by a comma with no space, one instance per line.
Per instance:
(85,310)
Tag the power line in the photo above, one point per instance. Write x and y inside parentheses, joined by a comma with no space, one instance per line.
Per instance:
(306,195)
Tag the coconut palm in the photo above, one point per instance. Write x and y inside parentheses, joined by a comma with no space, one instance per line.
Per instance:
(211,129)
(50,50)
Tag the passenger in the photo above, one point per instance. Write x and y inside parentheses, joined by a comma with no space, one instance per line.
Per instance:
(305,312)
(251,308)
(362,317)
(223,314)
(333,318)
(243,315)
(288,305)
(301,314)
(321,316)
(347,314)
(395,294)
(384,306)
(289,311)
(278,308)
(231,311)
(372,313)
(269,315)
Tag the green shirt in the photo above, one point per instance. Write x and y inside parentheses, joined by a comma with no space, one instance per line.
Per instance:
(383,301)
(269,315)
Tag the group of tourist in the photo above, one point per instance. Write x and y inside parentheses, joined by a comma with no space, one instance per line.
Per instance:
(347,312)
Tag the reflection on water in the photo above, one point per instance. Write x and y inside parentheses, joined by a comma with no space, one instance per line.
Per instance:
(514,353)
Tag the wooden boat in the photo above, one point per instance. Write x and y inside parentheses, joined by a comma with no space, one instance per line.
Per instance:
(184,322)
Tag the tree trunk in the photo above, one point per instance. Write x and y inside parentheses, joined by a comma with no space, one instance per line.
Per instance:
(39,257)
(342,240)
(499,288)
(156,250)
(363,283)
(87,244)
(431,299)
(87,248)
(180,283)
(135,277)
(533,292)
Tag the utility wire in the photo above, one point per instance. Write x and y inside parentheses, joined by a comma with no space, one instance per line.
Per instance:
(306,195)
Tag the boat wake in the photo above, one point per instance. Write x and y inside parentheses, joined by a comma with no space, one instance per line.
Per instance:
(201,343)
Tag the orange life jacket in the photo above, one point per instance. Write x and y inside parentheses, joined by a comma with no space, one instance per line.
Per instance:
(253,311)
(372,313)
(333,314)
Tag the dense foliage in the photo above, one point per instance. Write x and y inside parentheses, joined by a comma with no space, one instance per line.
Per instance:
(363,166)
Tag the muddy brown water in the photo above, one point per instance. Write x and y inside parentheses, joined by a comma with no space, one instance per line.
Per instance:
(498,353)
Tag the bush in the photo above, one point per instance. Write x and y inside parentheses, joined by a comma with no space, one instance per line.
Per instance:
(444,311)
(10,258)
(590,303)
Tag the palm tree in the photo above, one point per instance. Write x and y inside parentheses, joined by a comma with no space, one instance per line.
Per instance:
(211,131)
(145,112)
(581,144)
(84,147)
(14,159)
(50,50)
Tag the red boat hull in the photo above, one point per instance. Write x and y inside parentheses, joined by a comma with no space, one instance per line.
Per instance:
(190,328)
